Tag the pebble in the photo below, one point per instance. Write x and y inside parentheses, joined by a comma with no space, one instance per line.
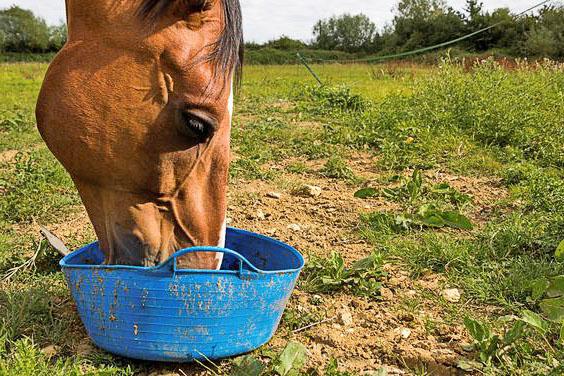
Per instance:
(451,295)
(405,333)
(260,215)
(408,317)
(274,195)
(310,190)
(386,294)
(345,317)
(295,227)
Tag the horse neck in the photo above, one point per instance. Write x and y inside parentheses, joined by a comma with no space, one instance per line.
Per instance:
(92,18)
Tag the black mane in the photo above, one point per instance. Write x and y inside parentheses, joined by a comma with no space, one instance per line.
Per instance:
(227,51)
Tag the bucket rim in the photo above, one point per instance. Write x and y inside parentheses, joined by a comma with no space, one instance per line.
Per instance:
(64,263)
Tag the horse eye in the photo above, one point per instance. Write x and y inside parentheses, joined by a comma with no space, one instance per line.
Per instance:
(196,126)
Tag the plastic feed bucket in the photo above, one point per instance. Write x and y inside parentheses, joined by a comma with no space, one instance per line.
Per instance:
(164,313)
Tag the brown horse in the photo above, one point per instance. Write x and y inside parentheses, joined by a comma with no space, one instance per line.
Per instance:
(137,107)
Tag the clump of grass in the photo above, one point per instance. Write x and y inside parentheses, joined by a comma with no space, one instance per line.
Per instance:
(323,275)
(297,168)
(337,168)
(17,120)
(329,99)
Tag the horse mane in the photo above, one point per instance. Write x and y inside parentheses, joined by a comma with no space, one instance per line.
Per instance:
(227,52)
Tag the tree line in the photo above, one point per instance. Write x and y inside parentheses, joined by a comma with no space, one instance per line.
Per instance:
(416,24)
(22,31)
(422,23)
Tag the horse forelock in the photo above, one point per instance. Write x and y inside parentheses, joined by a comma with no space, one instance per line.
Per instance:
(227,52)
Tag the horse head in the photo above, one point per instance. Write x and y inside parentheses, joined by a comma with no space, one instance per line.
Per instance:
(137,107)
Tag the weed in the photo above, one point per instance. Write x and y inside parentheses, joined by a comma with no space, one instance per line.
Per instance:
(297,168)
(286,363)
(294,319)
(337,168)
(328,99)
(331,274)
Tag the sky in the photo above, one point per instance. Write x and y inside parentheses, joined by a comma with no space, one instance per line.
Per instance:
(268,19)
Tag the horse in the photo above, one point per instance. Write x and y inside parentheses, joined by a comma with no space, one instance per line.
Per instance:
(137,107)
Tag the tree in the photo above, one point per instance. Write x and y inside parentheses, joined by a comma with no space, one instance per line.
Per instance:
(57,37)
(345,33)
(21,31)
(422,23)
(502,36)
(546,36)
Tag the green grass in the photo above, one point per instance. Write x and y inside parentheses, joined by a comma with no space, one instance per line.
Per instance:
(506,126)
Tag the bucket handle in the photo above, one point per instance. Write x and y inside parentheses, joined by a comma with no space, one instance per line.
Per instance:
(226,251)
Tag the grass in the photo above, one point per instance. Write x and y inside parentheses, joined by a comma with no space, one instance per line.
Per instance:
(504,126)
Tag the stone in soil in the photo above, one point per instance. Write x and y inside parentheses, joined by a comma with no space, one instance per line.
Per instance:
(309,191)
(451,295)
(274,195)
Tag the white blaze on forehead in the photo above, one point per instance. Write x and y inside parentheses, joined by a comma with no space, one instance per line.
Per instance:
(221,243)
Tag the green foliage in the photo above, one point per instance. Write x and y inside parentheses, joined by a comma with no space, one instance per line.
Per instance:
(21,31)
(286,43)
(345,33)
(264,55)
(422,23)
(429,216)
(331,274)
(553,291)
(328,99)
(480,106)
(414,194)
(413,190)
(337,168)
(57,37)
(289,362)
(332,369)
(491,347)
(24,358)
(247,365)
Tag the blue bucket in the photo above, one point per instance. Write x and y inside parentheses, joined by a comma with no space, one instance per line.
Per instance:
(164,313)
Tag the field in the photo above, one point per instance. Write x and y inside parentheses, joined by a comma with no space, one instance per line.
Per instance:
(447,183)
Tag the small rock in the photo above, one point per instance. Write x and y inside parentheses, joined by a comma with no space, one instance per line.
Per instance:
(407,317)
(451,295)
(405,333)
(50,350)
(310,190)
(274,195)
(345,317)
(295,227)
(259,215)
(386,294)
(228,221)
